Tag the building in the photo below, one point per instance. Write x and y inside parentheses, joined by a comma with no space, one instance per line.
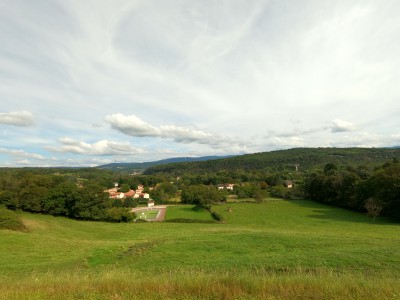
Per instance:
(226,186)
(288,183)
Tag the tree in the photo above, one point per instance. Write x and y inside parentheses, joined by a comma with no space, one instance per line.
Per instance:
(258,195)
(91,204)
(130,202)
(117,203)
(384,185)
(125,188)
(330,169)
(201,195)
(60,198)
(373,208)
(119,214)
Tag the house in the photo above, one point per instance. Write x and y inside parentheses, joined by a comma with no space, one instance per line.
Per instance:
(115,194)
(227,186)
(288,183)
(131,193)
(150,204)
(141,195)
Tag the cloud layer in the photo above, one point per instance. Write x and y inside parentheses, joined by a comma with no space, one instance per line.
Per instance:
(144,80)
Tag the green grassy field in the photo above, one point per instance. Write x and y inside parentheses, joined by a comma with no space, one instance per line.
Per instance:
(187,212)
(271,250)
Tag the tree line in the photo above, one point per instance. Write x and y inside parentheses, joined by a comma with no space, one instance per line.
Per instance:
(59,196)
(281,160)
(79,193)
(357,189)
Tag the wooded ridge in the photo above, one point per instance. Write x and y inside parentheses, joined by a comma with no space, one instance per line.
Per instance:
(304,159)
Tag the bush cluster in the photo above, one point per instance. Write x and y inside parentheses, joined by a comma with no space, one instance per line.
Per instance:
(9,220)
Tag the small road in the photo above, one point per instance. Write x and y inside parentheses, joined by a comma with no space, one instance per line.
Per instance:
(162,209)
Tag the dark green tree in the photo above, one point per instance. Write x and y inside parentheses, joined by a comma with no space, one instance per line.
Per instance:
(117,203)
(130,202)
(201,195)
(60,198)
(125,188)
(91,204)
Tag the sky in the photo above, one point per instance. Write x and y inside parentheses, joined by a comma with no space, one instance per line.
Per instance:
(85,83)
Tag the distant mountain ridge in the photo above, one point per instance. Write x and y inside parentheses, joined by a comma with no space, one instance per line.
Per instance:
(140,166)
(304,158)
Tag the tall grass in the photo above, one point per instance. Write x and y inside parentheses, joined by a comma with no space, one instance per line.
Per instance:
(198,284)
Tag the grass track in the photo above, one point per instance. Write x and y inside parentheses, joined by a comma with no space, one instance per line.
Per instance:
(273,250)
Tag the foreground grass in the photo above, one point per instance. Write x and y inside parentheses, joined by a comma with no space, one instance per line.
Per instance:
(197,284)
(272,250)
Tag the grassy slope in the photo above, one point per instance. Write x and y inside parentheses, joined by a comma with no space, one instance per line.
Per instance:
(187,212)
(276,249)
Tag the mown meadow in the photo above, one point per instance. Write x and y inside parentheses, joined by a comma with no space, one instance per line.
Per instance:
(272,250)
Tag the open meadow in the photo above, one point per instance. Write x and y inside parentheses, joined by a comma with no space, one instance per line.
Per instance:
(272,250)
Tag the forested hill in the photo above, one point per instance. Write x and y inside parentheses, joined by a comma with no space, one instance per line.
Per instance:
(305,158)
(135,166)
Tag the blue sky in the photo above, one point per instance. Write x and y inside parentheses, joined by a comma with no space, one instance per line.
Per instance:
(84,83)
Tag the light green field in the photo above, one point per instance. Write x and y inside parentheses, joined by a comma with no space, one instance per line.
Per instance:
(272,250)
(187,212)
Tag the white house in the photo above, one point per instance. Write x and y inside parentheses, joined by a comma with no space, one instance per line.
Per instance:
(228,186)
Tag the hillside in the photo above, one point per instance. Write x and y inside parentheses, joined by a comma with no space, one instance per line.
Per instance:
(304,158)
(273,250)
(138,167)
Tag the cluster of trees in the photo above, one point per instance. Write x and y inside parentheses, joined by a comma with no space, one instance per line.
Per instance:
(59,195)
(202,196)
(358,189)
(163,192)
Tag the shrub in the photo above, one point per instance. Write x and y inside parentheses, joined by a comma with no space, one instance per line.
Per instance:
(216,216)
(119,214)
(10,220)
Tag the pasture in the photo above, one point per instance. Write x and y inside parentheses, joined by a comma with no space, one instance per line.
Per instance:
(272,250)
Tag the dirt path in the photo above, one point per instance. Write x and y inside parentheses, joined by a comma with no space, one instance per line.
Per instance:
(162,210)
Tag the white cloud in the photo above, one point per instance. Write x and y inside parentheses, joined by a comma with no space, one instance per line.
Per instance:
(134,126)
(101,148)
(338,125)
(17,118)
(21,153)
